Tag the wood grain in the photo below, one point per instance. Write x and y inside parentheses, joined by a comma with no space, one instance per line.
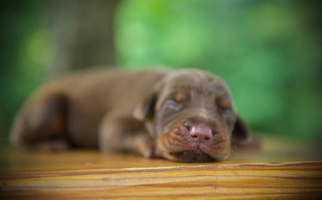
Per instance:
(282,170)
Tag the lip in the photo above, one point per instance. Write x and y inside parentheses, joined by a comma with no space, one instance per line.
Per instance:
(188,147)
(205,148)
(202,147)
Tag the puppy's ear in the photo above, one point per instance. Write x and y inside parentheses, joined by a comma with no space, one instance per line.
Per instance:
(241,134)
(145,109)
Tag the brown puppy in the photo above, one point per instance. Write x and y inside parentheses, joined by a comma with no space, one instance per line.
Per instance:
(184,115)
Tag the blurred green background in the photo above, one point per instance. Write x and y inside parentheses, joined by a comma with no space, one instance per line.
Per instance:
(268,51)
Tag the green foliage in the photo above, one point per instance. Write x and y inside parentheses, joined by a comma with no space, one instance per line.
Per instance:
(24,55)
(263,50)
(269,53)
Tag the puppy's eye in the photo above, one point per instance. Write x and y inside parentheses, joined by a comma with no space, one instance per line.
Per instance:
(227,113)
(172,104)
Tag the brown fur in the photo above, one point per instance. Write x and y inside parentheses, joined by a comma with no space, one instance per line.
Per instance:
(148,112)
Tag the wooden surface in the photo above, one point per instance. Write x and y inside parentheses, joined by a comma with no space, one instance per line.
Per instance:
(281,170)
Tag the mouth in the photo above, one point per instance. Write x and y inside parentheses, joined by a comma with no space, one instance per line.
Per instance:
(178,145)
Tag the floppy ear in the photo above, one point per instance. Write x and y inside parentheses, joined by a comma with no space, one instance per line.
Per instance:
(145,109)
(241,133)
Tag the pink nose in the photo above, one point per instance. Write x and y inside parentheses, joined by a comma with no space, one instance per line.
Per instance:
(201,132)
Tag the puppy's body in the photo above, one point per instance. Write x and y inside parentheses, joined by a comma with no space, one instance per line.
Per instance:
(88,98)
(156,113)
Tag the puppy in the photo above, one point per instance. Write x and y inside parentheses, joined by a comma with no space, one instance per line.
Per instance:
(185,115)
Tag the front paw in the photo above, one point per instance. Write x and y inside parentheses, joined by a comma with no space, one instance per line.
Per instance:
(148,149)
(150,152)
(147,152)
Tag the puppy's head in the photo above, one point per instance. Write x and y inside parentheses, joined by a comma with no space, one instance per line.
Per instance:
(191,117)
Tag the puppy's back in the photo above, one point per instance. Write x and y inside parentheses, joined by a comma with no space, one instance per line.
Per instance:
(72,107)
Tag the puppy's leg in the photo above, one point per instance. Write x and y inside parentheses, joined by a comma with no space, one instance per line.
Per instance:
(122,134)
(41,124)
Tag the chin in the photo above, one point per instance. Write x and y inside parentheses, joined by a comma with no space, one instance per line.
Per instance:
(194,156)
(191,156)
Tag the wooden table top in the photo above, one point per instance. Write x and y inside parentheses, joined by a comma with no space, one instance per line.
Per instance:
(281,170)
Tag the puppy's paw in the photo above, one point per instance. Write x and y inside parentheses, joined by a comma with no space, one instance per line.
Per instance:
(148,149)
(147,152)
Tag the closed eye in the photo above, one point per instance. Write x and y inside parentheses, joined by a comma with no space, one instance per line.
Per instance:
(172,104)
(227,113)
